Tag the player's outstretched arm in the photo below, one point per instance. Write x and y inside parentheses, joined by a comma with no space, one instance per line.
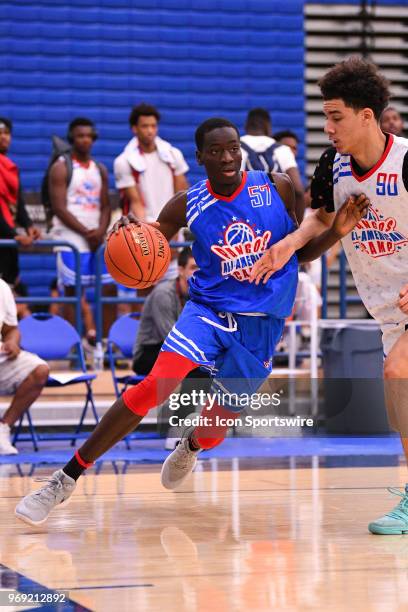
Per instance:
(280,253)
(170,220)
(316,234)
(343,221)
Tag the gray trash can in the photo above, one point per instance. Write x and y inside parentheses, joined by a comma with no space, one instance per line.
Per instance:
(353,381)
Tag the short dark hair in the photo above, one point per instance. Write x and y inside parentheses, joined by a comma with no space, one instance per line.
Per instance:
(285,134)
(142,110)
(184,256)
(208,126)
(80,121)
(7,123)
(258,119)
(83,122)
(358,83)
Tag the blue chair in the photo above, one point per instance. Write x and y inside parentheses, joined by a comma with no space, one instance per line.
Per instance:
(52,338)
(121,336)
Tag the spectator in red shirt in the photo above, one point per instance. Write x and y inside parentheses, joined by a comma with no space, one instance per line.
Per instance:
(12,208)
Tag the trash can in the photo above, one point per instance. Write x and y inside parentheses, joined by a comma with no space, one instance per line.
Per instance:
(353,381)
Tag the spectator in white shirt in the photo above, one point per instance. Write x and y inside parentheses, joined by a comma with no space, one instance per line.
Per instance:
(149,171)
(22,374)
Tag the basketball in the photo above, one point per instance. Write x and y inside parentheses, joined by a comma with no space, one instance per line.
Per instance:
(137,255)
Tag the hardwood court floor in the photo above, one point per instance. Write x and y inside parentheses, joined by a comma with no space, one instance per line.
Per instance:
(232,539)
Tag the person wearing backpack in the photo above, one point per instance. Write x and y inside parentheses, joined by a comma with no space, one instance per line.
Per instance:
(13,212)
(79,201)
(261,152)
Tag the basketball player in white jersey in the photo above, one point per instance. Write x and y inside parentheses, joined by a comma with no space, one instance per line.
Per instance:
(364,163)
(78,189)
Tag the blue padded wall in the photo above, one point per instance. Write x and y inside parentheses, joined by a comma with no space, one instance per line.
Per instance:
(191,58)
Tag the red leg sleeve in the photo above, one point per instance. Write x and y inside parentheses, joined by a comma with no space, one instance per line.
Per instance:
(168,371)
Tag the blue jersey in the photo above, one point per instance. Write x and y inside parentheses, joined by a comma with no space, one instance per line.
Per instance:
(231,234)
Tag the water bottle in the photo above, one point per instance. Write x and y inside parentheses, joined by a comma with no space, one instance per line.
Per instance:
(98,357)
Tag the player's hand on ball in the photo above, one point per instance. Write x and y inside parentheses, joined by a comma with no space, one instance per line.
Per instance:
(127,220)
(137,255)
(349,214)
(272,260)
(403,299)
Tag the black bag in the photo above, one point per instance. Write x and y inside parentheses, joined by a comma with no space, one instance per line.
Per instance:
(264,161)
(60,149)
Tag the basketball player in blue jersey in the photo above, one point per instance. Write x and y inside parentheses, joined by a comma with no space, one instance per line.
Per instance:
(229,326)
(364,162)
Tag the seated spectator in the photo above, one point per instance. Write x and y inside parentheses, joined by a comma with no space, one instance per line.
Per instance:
(161,310)
(12,208)
(288,138)
(260,151)
(22,374)
(392,122)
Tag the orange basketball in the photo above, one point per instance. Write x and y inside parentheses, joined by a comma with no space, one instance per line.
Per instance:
(137,255)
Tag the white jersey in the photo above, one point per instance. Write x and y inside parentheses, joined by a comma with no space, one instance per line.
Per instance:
(377,248)
(282,155)
(83,201)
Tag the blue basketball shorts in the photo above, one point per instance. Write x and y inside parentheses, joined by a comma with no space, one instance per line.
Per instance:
(66,269)
(237,349)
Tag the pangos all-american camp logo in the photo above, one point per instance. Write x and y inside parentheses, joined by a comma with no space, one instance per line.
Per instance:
(240,247)
(377,236)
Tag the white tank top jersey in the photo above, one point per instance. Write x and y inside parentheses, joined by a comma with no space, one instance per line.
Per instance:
(83,201)
(377,248)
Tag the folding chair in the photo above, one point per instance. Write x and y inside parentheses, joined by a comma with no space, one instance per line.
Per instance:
(53,338)
(122,335)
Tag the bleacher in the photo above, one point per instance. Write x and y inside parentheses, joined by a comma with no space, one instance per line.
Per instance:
(192,60)
(37,272)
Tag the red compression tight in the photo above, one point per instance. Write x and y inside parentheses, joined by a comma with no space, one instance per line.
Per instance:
(167,373)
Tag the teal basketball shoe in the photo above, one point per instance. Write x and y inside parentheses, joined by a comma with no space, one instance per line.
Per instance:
(395,522)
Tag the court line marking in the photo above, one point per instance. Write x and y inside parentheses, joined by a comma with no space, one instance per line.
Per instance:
(119,586)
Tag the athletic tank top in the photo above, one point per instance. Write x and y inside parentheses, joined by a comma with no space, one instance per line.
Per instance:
(83,201)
